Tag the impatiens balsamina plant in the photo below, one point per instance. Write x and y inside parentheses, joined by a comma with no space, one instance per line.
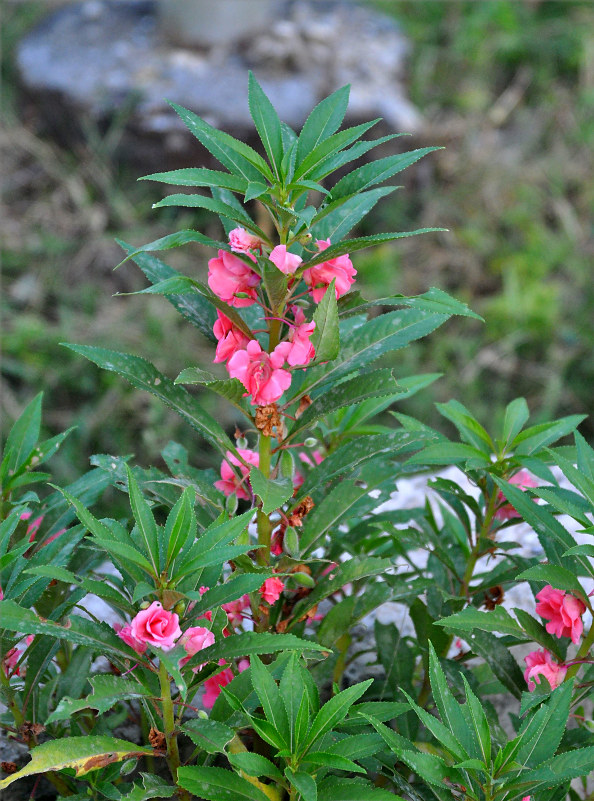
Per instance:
(204,646)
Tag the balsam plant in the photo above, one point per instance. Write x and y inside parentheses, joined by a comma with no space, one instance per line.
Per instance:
(236,594)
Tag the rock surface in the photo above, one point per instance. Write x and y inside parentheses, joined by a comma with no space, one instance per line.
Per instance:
(102,57)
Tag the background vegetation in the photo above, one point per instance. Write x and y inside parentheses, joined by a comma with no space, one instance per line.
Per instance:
(507,87)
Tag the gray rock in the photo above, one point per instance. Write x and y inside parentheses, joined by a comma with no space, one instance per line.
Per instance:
(96,58)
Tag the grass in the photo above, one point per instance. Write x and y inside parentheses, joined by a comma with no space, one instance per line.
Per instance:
(507,87)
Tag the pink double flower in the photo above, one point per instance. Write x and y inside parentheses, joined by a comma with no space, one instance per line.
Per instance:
(563,611)
(542,663)
(319,277)
(229,276)
(261,373)
(229,483)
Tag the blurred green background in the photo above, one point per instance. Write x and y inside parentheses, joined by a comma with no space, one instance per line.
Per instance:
(506,87)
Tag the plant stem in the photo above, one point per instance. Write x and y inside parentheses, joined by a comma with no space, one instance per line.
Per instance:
(264,525)
(169,726)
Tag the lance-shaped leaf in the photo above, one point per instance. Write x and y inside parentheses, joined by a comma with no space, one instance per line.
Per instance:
(22,438)
(304,784)
(334,711)
(266,121)
(231,388)
(152,787)
(498,657)
(378,383)
(498,620)
(143,375)
(145,521)
(237,157)
(180,527)
(83,754)
(321,153)
(107,692)
(558,577)
(272,492)
(210,735)
(192,306)
(322,122)
(269,694)
(214,784)
(325,337)
(176,240)
(236,586)
(251,642)
(377,171)
(199,176)
(211,204)
(337,160)
(534,439)
(99,636)
(337,219)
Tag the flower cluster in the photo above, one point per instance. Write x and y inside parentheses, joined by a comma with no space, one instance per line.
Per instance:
(266,375)
(564,614)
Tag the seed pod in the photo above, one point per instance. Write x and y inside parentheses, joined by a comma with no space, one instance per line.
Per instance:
(287,464)
(303,579)
(310,442)
(231,504)
(291,542)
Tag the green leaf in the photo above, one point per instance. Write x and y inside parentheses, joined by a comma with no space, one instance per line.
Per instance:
(176,240)
(218,784)
(377,171)
(275,283)
(152,787)
(325,337)
(351,245)
(99,636)
(292,692)
(498,620)
(210,735)
(83,754)
(107,692)
(143,375)
(336,220)
(254,190)
(333,761)
(255,765)
(441,733)
(237,157)
(304,784)
(334,789)
(479,722)
(468,428)
(22,437)
(268,692)
(318,156)
(558,577)
(573,764)
(231,389)
(322,122)
(194,308)
(181,524)
(541,734)
(516,416)
(235,586)
(500,660)
(211,204)
(198,176)
(145,521)
(352,391)
(534,439)
(537,632)
(251,642)
(334,711)
(273,493)
(450,453)
(266,121)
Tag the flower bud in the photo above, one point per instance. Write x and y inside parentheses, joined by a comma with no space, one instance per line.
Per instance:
(303,579)
(128,766)
(231,504)
(310,442)
(145,605)
(291,542)
(287,464)
(202,714)
(179,608)
(241,442)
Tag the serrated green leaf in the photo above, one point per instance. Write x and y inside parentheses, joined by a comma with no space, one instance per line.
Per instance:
(374,384)
(334,711)
(275,282)
(107,692)
(211,204)
(315,158)
(180,526)
(251,642)
(210,735)
(254,765)
(534,439)
(558,577)
(468,428)
(304,784)
(232,389)
(237,157)
(335,220)
(22,437)
(322,122)
(497,620)
(152,787)
(236,586)
(143,375)
(193,307)
(268,692)
(199,176)
(83,754)
(516,416)
(214,784)
(333,789)
(272,493)
(266,121)
(325,337)
(377,171)
(450,453)
(145,521)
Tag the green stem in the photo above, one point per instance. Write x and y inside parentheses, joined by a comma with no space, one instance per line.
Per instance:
(173,759)
(264,525)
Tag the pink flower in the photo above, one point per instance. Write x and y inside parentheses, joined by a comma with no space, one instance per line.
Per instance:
(230,338)
(278,539)
(541,663)
(261,373)
(212,687)
(9,662)
(229,276)
(299,478)
(302,351)
(125,634)
(234,609)
(271,590)
(195,639)
(319,277)
(229,483)
(286,262)
(242,242)
(1,594)
(522,480)
(54,537)
(156,626)
(563,611)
